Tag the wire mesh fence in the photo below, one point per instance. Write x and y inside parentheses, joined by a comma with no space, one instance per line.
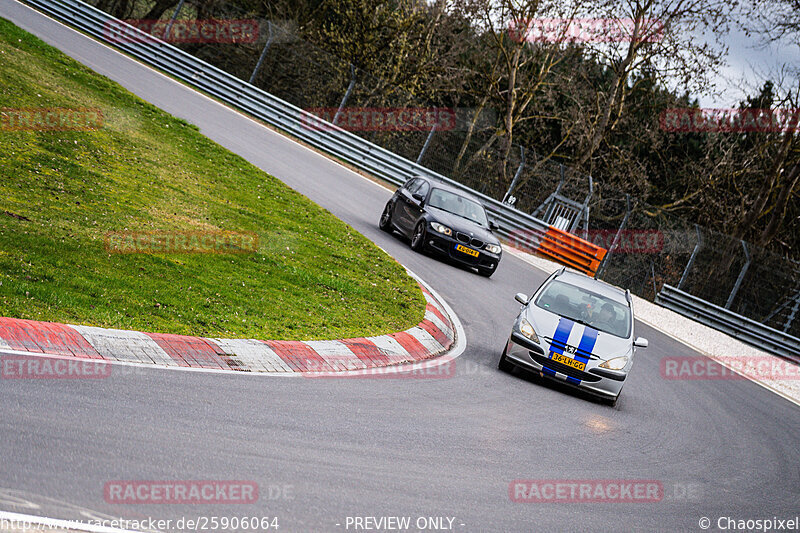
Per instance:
(652,249)
(716,267)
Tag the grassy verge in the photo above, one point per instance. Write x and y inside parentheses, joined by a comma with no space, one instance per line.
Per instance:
(62,192)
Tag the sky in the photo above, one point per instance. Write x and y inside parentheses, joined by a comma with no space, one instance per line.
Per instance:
(749,63)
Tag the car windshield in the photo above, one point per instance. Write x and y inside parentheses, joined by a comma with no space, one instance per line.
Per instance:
(583,305)
(458,205)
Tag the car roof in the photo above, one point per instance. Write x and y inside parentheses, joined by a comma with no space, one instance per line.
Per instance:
(447,187)
(600,287)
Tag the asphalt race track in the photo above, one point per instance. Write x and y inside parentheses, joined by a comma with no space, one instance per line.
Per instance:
(322,450)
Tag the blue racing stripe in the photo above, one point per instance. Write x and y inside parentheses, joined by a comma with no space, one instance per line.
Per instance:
(548,371)
(586,346)
(574,381)
(561,335)
(588,340)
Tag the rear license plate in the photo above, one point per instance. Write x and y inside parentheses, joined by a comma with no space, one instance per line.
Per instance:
(564,360)
(469,251)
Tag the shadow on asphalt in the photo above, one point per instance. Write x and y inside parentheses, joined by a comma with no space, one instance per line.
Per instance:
(535,380)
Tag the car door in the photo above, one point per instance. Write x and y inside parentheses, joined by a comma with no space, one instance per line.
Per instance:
(405,201)
(415,207)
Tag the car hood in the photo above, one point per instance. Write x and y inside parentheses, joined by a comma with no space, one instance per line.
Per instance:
(549,325)
(457,223)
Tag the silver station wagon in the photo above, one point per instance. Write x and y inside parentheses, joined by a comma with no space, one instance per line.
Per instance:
(576,330)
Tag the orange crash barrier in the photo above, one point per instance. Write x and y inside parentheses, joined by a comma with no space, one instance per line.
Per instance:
(561,246)
(572,251)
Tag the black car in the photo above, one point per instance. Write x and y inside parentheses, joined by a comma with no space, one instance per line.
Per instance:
(440,218)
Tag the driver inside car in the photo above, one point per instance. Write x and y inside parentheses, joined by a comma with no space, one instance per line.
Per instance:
(607,315)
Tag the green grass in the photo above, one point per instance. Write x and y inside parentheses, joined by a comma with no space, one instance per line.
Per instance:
(313,277)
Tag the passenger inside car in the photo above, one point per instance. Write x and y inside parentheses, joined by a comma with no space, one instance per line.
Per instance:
(563,305)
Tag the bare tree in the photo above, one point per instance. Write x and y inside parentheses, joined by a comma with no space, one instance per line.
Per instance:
(662,36)
(517,65)
(775,22)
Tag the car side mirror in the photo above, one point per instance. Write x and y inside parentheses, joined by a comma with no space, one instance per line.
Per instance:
(418,197)
(493,225)
(640,342)
(523,299)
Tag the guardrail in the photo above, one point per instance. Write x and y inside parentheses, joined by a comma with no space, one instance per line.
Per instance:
(743,328)
(285,116)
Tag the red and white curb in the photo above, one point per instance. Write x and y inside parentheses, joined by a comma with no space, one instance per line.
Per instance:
(438,333)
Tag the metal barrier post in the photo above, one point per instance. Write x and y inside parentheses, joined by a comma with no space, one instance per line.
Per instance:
(549,213)
(263,54)
(346,94)
(586,208)
(691,258)
(516,176)
(793,313)
(427,143)
(740,278)
(653,274)
(172,20)
(611,248)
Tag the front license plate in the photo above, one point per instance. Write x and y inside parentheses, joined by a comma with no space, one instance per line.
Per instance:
(569,361)
(469,251)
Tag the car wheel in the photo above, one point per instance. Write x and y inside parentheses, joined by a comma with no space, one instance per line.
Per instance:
(504,364)
(418,238)
(385,222)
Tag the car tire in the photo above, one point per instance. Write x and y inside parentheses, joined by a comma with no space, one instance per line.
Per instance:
(504,364)
(385,223)
(418,237)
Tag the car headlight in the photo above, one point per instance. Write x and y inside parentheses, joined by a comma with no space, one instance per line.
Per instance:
(526,329)
(441,228)
(617,363)
(493,248)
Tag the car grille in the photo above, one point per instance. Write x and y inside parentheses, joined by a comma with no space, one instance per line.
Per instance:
(563,347)
(564,369)
(466,239)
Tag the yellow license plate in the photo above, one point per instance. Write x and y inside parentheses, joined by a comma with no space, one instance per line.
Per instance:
(468,251)
(563,359)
